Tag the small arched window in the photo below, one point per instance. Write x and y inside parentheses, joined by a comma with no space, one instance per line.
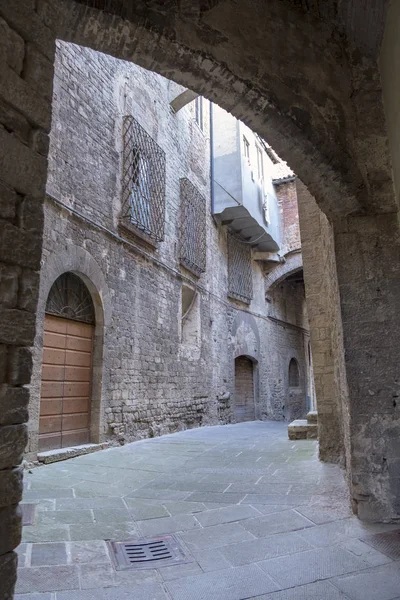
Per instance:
(294,373)
(69,298)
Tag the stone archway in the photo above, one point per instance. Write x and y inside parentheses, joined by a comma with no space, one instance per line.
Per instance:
(292,264)
(312,104)
(75,260)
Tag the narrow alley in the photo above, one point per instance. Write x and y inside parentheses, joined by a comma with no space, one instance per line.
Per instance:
(252,514)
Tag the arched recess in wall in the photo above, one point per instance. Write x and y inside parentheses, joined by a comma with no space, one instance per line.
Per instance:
(198,47)
(244,398)
(75,260)
(294,373)
(293,263)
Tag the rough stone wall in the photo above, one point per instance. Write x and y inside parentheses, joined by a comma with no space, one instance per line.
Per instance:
(26,73)
(287,202)
(364,246)
(323,305)
(155,378)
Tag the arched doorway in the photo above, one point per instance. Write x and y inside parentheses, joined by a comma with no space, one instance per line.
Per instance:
(65,398)
(244,390)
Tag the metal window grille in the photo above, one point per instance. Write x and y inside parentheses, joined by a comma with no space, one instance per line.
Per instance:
(193,228)
(143,181)
(240,274)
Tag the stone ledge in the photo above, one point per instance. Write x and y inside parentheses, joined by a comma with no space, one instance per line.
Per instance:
(302,430)
(312,417)
(64,453)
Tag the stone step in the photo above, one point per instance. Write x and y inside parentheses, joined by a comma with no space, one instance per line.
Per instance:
(302,430)
(312,416)
(64,453)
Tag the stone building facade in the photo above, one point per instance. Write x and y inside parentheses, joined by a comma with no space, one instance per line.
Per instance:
(172,348)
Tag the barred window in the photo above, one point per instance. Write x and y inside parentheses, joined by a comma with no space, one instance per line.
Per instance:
(240,274)
(143,184)
(193,228)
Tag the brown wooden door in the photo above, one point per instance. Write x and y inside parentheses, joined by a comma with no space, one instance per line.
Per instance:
(244,390)
(66,383)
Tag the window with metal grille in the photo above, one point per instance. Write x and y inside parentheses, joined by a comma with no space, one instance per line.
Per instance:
(193,228)
(240,274)
(143,181)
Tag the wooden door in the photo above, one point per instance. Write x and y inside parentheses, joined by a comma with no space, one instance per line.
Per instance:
(66,383)
(244,390)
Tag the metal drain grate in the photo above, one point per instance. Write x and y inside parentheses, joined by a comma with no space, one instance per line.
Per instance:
(148,553)
(388,543)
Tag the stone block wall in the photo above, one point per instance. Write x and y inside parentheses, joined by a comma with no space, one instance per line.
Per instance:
(152,381)
(323,305)
(26,75)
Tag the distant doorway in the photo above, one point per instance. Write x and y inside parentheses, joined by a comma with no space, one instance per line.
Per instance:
(67,365)
(244,390)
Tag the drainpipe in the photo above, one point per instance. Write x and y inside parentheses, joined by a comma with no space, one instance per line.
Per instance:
(212,160)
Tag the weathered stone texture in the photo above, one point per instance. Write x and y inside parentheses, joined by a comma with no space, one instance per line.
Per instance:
(25,115)
(154,378)
(325,324)
(369,304)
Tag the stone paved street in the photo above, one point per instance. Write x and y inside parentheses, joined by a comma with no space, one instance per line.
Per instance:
(260,517)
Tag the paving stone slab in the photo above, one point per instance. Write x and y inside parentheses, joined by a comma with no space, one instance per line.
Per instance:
(45,533)
(184,508)
(103,531)
(288,520)
(179,571)
(322,590)
(155,527)
(319,516)
(88,503)
(96,576)
(64,517)
(162,494)
(229,584)
(289,500)
(225,498)
(86,552)
(142,511)
(144,591)
(50,493)
(334,533)
(46,596)
(217,535)
(260,549)
(46,579)
(226,515)
(310,566)
(22,552)
(381,583)
(53,553)
(112,515)
(210,559)
(367,553)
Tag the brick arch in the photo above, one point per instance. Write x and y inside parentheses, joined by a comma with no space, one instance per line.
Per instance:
(292,264)
(76,260)
(198,45)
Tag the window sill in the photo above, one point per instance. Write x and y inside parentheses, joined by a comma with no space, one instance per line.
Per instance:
(130,232)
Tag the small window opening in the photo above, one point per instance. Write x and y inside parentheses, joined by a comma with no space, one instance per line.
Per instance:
(294,373)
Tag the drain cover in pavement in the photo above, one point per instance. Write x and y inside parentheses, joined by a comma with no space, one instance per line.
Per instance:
(388,543)
(28,513)
(145,553)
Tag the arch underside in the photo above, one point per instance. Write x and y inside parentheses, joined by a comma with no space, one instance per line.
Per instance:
(301,81)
